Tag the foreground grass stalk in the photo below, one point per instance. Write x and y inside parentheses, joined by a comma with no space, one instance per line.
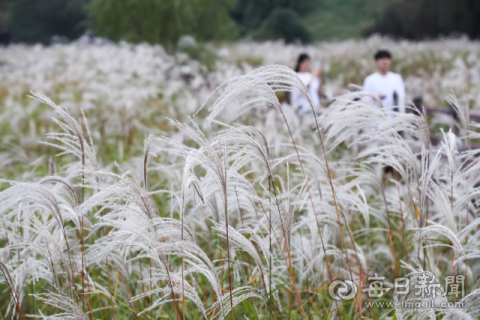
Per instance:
(270,241)
(453,248)
(128,291)
(228,246)
(82,224)
(151,288)
(311,200)
(110,289)
(334,199)
(290,265)
(147,146)
(390,236)
(401,215)
(281,250)
(11,286)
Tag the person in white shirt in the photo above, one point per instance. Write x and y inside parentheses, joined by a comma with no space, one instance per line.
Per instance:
(387,85)
(313,84)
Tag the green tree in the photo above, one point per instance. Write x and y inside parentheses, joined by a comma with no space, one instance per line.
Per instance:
(35,21)
(283,23)
(161,21)
(418,19)
(251,14)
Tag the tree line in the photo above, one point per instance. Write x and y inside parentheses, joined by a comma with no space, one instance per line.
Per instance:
(165,21)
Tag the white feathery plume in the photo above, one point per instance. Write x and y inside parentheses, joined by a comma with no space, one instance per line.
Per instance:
(70,309)
(239,295)
(73,139)
(241,241)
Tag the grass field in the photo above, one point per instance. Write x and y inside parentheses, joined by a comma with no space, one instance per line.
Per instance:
(140,184)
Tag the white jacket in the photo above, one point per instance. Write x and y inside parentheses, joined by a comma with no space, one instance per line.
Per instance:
(386,87)
(300,101)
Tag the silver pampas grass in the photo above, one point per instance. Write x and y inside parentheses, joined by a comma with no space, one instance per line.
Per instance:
(236,208)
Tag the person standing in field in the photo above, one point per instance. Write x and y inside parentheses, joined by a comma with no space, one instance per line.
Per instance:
(386,85)
(312,82)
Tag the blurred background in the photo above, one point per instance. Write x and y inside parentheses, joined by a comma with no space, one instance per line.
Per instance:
(165,21)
